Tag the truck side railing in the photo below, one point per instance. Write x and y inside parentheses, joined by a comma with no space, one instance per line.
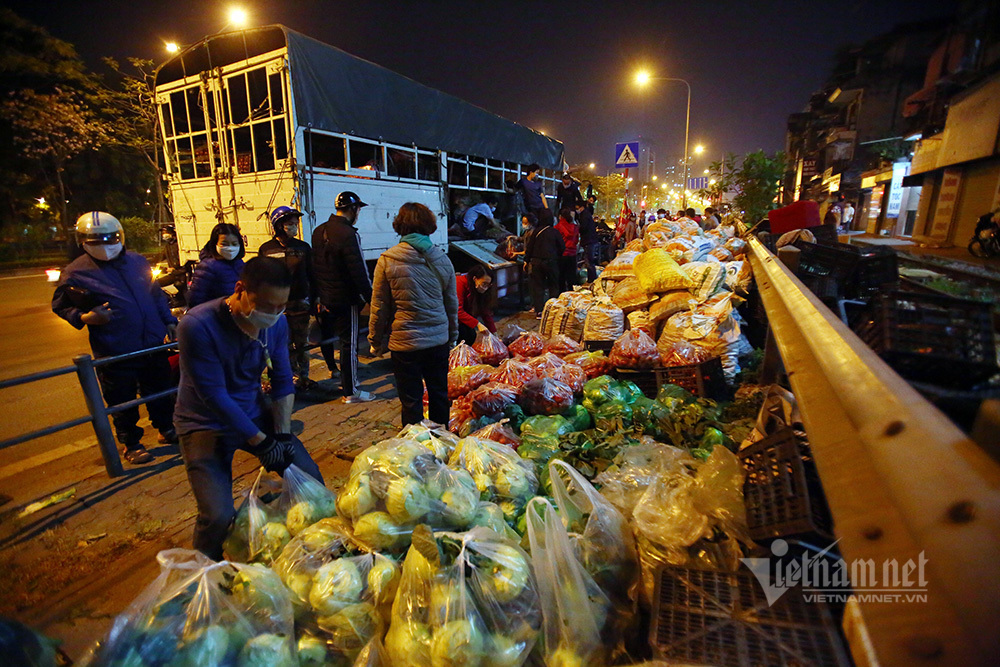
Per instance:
(904,484)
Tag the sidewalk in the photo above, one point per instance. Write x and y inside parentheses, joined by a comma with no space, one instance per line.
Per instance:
(954,257)
(70,568)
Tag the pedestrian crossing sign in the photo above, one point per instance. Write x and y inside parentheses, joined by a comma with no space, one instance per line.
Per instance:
(627,155)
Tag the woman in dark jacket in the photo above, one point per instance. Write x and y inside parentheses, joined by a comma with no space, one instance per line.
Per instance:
(474,312)
(542,250)
(220,266)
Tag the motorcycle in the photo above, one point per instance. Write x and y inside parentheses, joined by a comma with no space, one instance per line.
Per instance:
(985,241)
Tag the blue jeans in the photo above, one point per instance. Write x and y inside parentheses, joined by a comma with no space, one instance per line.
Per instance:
(208,460)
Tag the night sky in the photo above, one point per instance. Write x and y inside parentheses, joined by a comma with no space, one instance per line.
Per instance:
(563,68)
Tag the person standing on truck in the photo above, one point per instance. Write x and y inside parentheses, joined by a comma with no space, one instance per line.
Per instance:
(534,195)
(220,265)
(414,314)
(344,288)
(542,250)
(225,345)
(568,193)
(297,256)
(112,291)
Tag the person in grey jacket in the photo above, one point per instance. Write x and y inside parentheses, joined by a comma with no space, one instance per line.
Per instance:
(414,314)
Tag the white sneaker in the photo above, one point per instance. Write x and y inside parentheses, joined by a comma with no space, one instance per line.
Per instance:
(360,397)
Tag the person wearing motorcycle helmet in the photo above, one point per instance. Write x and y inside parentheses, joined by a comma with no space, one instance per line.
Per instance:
(111,291)
(297,256)
(344,288)
(220,265)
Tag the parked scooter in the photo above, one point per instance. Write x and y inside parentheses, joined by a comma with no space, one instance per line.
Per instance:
(985,241)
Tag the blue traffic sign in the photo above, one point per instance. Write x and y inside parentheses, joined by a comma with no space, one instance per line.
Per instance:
(627,155)
(698,183)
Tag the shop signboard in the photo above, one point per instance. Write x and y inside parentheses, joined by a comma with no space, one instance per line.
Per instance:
(945,211)
(808,169)
(874,209)
(899,170)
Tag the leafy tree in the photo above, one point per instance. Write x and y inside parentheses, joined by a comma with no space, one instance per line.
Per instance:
(754,182)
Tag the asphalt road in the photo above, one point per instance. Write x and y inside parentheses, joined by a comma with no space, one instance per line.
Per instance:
(32,339)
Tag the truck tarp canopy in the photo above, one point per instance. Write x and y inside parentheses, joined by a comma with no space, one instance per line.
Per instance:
(338,92)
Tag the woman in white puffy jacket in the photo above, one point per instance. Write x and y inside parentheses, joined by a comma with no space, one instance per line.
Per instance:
(414,314)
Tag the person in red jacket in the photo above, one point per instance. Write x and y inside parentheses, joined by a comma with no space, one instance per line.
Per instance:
(570,233)
(474,314)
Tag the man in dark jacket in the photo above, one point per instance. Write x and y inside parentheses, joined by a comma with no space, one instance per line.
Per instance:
(532,190)
(588,239)
(344,287)
(297,256)
(542,250)
(112,291)
(568,193)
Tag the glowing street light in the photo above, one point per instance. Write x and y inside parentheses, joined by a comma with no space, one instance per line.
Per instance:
(593,166)
(699,149)
(171,47)
(238,17)
(706,171)
(654,177)
(642,78)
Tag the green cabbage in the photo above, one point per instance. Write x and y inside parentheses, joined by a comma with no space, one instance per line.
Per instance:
(351,627)
(460,504)
(273,538)
(504,651)
(357,497)
(335,585)
(383,579)
(457,644)
(489,515)
(207,648)
(507,575)
(312,651)
(267,651)
(378,530)
(307,512)
(406,500)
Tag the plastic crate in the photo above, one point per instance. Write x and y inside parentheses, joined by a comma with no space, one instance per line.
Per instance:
(723,619)
(932,338)
(646,380)
(782,490)
(705,380)
(876,271)
(595,345)
(827,270)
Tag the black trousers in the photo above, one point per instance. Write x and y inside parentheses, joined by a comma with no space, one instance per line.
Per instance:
(415,368)
(144,376)
(467,334)
(342,321)
(592,257)
(543,282)
(208,461)
(298,339)
(567,273)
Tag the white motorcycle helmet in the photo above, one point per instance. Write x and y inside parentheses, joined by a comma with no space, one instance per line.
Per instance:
(100,234)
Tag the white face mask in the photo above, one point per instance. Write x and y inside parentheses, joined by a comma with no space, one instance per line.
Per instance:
(264,320)
(103,251)
(228,251)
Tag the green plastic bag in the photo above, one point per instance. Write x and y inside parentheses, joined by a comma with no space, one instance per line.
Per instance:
(632,391)
(516,416)
(613,416)
(673,391)
(578,416)
(540,437)
(600,390)
(651,416)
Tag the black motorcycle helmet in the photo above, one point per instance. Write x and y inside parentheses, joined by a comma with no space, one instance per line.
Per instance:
(347,199)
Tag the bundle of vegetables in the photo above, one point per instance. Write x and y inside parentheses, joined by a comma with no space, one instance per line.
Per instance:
(433,436)
(460,413)
(499,473)
(562,345)
(341,590)
(262,529)
(199,612)
(490,348)
(464,379)
(540,438)
(492,398)
(463,355)
(693,423)
(635,349)
(545,363)
(499,432)
(397,484)
(545,396)
(466,599)
(528,344)
(593,364)
(513,372)
(601,390)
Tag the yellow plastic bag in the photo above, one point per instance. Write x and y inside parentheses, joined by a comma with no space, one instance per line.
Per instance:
(658,272)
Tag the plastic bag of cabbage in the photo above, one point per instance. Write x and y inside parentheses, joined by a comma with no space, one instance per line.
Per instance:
(341,590)
(399,483)
(262,529)
(199,613)
(466,599)
(435,437)
(500,475)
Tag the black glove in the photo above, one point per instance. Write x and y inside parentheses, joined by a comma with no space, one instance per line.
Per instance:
(271,453)
(287,444)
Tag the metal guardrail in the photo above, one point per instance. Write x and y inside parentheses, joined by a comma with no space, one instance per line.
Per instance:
(902,481)
(85,368)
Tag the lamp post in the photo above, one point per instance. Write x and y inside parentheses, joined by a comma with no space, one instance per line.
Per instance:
(642,78)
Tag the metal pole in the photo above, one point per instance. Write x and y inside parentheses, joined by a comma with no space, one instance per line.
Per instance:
(98,414)
(687,127)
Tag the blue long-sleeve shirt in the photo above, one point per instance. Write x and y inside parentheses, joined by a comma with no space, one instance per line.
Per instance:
(213,278)
(139,310)
(220,372)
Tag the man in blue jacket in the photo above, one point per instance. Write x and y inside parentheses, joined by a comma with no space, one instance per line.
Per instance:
(225,346)
(112,291)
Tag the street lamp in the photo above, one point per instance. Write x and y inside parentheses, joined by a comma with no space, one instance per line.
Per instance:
(699,149)
(593,166)
(237,17)
(171,47)
(641,79)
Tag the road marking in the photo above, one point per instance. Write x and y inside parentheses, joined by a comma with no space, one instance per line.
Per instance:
(45,457)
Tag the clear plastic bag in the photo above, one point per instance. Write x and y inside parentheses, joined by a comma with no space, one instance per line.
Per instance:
(463,355)
(572,376)
(500,432)
(574,608)
(464,599)
(540,437)
(528,344)
(396,484)
(460,412)
(594,364)
(562,345)
(513,372)
(435,437)
(304,500)
(635,349)
(464,379)
(600,390)
(199,612)
(635,468)
(545,396)
(500,475)
(492,398)
(341,590)
(682,353)
(490,348)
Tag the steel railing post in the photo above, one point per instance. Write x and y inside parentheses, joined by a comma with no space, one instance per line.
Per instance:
(98,414)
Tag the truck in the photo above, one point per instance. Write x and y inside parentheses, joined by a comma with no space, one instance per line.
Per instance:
(259,118)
